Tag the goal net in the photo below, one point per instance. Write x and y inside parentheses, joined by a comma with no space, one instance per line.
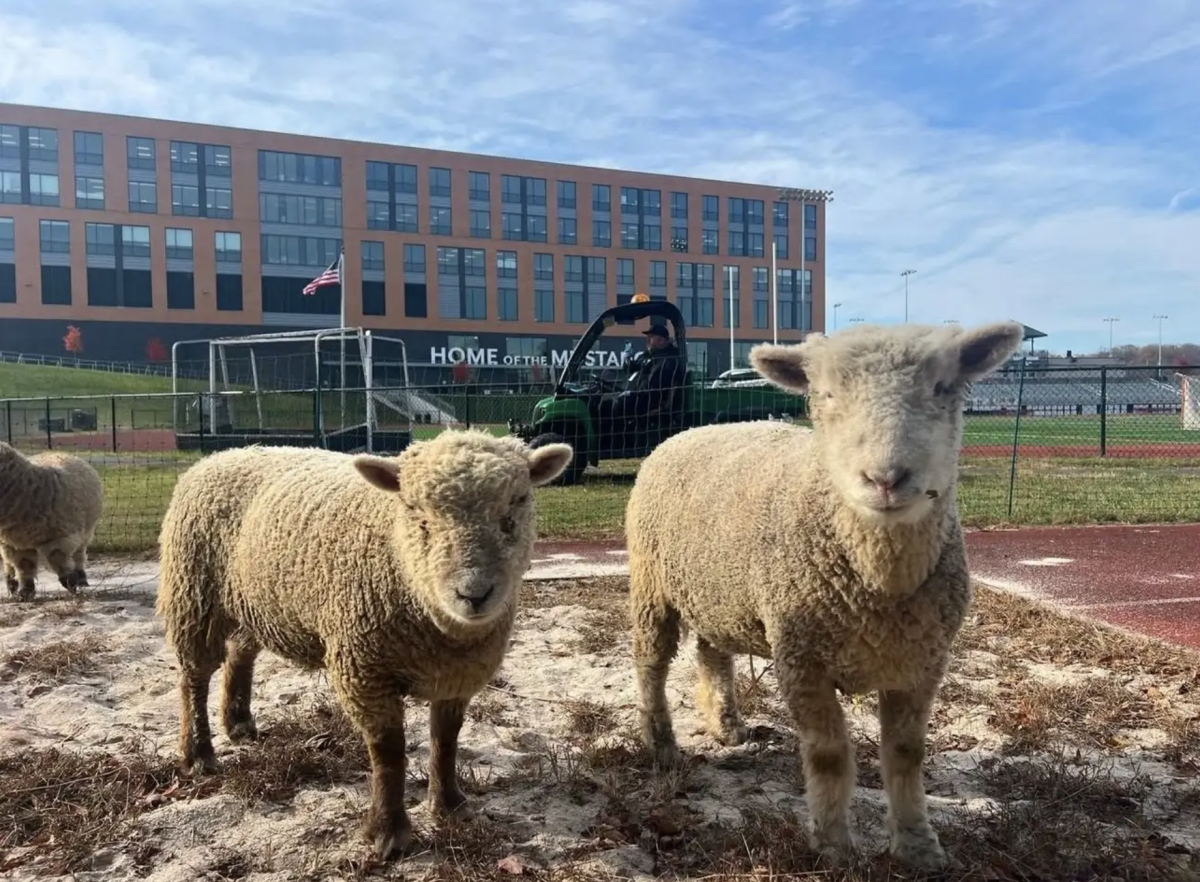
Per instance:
(1190,400)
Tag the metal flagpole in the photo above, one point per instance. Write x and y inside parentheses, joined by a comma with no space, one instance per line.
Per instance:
(732,322)
(774,296)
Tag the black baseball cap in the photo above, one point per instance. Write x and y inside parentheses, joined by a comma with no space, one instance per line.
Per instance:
(657,329)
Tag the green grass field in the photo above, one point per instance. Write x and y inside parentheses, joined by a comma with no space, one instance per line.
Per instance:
(1136,483)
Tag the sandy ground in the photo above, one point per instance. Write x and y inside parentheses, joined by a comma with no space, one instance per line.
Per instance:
(1034,718)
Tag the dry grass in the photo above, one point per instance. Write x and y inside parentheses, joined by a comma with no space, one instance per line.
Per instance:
(1036,742)
(58,661)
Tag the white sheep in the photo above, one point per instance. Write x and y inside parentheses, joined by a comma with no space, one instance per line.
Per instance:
(836,552)
(400,576)
(49,506)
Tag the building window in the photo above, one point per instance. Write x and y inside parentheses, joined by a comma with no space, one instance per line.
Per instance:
(56,285)
(447,260)
(377,175)
(372,256)
(310,251)
(181,290)
(679,206)
(810,217)
(507,304)
(43,190)
(576,307)
(185,157)
(55,236)
(535,228)
(229,248)
(185,200)
(543,306)
(414,258)
(43,144)
(99,240)
(135,241)
(506,264)
(710,208)
(754,212)
(416,300)
(566,194)
(658,274)
(737,210)
(480,186)
(10,188)
(761,313)
(624,271)
(143,197)
(89,148)
(679,239)
(218,203)
(567,231)
(543,267)
(511,226)
(474,302)
(474,262)
(630,200)
(229,292)
(781,246)
(601,234)
(406,218)
(140,153)
(8,236)
(378,217)
(439,182)
(711,243)
(218,161)
(315,211)
(810,247)
(299,168)
(89,193)
(439,221)
(481,224)
(601,197)
(630,235)
(10,142)
(374,297)
(179,244)
(779,215)
(572,268)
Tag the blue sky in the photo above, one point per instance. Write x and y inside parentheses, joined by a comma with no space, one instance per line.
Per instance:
(1030,159)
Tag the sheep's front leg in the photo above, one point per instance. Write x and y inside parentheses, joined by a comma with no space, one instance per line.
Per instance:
(79,562)
(9,555)
(64,567)
(903,719)
(445,722)
(25,562)
(716,694)
(826,753)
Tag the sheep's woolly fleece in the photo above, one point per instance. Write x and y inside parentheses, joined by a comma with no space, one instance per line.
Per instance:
(50,502)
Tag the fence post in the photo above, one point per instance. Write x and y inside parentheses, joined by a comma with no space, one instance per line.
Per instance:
(200,414)
(467,405)
(49,435)
(1012,468)
(1103,410)
(317,413)
(113,418)
(8,419)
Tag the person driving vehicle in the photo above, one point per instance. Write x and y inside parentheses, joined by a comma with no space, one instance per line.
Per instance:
(657,372)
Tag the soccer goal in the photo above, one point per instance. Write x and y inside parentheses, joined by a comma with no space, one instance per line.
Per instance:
(1190,401)
(305,387)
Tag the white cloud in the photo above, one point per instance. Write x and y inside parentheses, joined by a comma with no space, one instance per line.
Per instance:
(1030,160)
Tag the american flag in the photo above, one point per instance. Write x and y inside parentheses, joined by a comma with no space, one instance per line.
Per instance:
(331,276)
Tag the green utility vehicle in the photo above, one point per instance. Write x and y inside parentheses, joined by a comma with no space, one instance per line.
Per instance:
(572,412)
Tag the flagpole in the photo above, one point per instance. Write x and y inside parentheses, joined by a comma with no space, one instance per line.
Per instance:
(775,295)
(342,326)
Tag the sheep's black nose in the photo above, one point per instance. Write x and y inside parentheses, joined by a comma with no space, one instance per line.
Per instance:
(477,600)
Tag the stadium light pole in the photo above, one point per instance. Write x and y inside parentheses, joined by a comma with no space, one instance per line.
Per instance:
(906,273)
(730,317)
(1159,319)
(803,196)
(1110,319)
(835,309)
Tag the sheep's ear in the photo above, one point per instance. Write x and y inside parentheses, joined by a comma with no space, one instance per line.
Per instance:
(984,348)
(548,462)
(378,470)
(785,366)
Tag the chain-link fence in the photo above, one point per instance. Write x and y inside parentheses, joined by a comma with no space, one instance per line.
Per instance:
(1056,446)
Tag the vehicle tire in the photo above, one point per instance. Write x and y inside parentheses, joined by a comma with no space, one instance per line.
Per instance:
(573,473)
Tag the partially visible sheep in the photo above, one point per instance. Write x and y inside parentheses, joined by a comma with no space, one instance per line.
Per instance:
(49,505)
(837,552)
(400,576)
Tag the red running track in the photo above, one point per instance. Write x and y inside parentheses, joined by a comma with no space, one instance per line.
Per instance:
(1143,578)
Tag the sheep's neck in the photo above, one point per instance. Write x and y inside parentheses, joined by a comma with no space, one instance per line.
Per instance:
(894,559)
(21,485)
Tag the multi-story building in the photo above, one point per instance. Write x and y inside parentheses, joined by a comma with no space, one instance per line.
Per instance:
(141,232)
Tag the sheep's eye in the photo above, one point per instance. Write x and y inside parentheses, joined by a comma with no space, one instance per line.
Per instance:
(507,524)
(521,500)
(940,388)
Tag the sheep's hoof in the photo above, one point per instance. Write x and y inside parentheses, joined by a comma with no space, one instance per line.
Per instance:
(836,845)
(918,848)
(732,734)
(390,837)
(81,579)
(70,581)
(451,802)
(12,584)
(242,730)
(202,764)
(667,755)
(25,592)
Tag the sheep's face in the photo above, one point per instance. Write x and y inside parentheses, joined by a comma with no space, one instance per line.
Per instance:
(886,406)
(465,517)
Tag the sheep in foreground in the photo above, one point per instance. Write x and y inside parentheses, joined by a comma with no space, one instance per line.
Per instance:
(49,506)
(397,575)
(836,552)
